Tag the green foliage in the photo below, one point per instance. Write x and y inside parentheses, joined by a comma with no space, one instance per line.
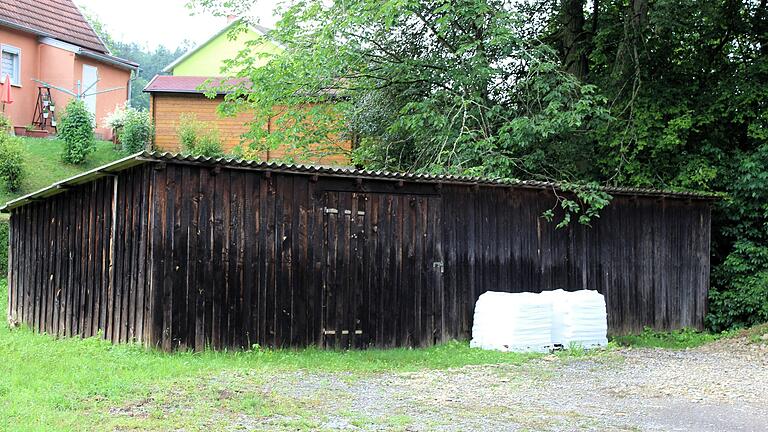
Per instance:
(76,129)
(137,131)
(12,168)
(188,130)
(6,126)
(454,88)
(663,94)
(43,163)
(739,294)
(209,145)
(198,138)
(743,302)
(680,339)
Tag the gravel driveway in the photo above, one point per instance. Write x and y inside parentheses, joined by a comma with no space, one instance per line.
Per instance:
(719,387)
(722,386)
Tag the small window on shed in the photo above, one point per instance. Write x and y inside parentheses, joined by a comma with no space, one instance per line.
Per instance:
(11,64)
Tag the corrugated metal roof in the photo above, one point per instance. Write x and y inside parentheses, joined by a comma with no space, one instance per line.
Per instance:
(154,157)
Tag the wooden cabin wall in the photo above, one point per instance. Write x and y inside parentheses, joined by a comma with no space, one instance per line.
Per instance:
(66,276)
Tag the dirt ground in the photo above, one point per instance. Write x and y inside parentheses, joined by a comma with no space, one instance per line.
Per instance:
(722,386)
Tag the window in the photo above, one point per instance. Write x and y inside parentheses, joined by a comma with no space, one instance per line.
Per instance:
(11,64)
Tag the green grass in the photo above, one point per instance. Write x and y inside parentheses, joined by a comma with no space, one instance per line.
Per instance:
(681,339)
(44,165)
(72,384)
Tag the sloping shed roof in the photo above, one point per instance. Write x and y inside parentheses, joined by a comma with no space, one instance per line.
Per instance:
(186,84)
(149,157)
(59,19)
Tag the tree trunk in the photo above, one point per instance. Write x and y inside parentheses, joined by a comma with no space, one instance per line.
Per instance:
(574,39)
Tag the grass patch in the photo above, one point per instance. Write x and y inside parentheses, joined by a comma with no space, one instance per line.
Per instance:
(680,339)
(76,384)
(42,157)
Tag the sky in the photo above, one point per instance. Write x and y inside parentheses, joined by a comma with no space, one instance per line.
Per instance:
(163,22)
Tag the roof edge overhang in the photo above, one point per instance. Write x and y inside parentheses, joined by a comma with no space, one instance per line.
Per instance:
(314,170)
(78,50)
(110,59)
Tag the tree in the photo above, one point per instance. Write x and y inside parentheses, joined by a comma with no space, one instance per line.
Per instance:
(665,94)
(439,87)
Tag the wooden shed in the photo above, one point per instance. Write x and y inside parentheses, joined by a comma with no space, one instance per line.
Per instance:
(171,97)
(181,252)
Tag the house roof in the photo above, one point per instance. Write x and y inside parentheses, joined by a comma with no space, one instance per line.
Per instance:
(255,27)
(59,19)
(154,157)
(187,84)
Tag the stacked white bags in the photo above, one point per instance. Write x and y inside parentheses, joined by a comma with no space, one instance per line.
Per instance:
(512,322)
(529,322)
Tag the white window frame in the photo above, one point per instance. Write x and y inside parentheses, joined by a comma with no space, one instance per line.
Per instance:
(17,52)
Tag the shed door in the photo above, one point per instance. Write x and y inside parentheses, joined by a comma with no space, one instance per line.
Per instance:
(383,270)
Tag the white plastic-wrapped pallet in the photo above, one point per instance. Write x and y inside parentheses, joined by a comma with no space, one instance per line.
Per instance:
(537,322)
(585,319)
(512,322)
(579,318)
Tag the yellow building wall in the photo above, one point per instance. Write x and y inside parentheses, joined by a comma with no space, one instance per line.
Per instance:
(209,60)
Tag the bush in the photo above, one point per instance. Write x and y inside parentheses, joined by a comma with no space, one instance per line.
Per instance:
(137,131)
(209,145)
(5,124)
(198,138)
(743,302)
(116,119)
(12,169)
(188,130)
(76,129)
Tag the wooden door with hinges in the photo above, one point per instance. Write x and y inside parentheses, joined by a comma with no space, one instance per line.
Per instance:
(383,270)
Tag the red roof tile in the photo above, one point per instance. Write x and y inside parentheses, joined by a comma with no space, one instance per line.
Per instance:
(60,19)
(184,84)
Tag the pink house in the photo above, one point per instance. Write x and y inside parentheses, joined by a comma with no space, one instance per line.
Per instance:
(50,41)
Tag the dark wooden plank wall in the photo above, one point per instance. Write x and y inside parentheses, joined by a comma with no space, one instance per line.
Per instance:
(67,277)
(219,257)
(648,256)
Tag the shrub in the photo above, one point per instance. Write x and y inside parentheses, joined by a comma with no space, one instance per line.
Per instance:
(744,301)
(188,130)
(76,129)
(12,169)
(5,124)
(137,131)
(209,145)
(116,119)
(198,138)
